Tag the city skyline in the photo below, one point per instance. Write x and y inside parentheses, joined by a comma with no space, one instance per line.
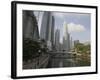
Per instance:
(78,24)
(42,38)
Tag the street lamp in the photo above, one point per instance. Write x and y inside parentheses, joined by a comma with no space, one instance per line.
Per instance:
(39,52)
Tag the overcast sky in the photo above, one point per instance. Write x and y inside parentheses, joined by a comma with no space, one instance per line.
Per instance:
(78,24)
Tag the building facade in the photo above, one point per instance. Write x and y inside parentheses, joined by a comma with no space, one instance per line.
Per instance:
(76,42)
(47,29)
(57,40)
(30,27)
(66,37)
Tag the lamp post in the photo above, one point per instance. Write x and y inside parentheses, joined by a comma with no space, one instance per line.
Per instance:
(39,51)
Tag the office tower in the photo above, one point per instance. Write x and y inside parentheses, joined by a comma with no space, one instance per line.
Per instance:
(66,37)
(76,42)
(52,30)
(68,44)
(50,34)
(47,29)
(44,26)
(57,39)
(39,15)
(30,27)
(71,43)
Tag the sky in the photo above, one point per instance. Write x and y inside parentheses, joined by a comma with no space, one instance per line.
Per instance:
(79,24)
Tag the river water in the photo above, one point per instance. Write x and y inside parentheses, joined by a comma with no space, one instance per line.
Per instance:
(59,61)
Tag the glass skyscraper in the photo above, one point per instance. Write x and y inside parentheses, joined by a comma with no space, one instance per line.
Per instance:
(57,39)
(66,37)
(47,29)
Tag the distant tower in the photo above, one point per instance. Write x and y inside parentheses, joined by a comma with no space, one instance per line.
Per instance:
(68,40)
(57,39)
(65,29)
(76,42)
(71,43)
(52,30)
(50,36)
(66,37)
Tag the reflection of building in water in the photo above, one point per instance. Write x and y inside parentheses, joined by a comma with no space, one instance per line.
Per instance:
(47,29)
(30,27)
(57,39)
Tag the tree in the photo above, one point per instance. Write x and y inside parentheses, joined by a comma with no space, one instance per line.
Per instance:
(30,49)
(82,48)
(33,49)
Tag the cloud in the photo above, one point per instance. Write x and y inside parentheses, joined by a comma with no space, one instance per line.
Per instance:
(72,27)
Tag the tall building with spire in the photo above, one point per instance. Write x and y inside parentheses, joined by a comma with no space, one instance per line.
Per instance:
(65,30)
(66,37)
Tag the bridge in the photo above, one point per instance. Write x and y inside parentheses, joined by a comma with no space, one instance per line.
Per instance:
(62,59)
(64,55)
(53,60)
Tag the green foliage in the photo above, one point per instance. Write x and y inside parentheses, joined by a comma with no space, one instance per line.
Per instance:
(33,49)
(30,49)
(82,48)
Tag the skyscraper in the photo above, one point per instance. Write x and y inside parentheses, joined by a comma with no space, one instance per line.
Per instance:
(30,27)
(47,29)
(68,40)
(65,30)
(71,43)
(66,37)
(76,42)
(44,26)
(57,39)
(50,35)
(52,30)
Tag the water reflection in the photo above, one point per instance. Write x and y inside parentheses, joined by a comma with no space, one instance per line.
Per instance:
(60,61)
